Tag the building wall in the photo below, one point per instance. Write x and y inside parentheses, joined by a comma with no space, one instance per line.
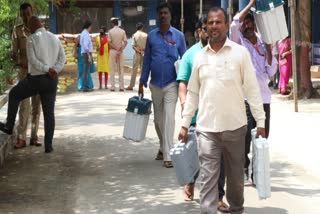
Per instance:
(132,13)
(71,23)
(62,20)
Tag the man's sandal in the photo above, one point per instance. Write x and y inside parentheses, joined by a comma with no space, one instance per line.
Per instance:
(223,207)
(159,156)
(167,164)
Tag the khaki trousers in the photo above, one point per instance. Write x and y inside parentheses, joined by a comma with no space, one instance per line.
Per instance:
(116,66)
(137,63)
(231,145)
(24,112)
(164,104)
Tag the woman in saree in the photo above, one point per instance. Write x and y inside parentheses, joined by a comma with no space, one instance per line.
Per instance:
(285,65)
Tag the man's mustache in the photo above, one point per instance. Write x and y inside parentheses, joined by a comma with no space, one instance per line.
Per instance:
(248,29)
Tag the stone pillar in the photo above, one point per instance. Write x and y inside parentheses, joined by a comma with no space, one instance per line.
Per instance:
(225,4)
(117,9)
(151,14)
(52,18)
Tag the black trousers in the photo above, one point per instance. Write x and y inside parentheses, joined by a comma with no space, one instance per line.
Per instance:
(46,87)
(251,125)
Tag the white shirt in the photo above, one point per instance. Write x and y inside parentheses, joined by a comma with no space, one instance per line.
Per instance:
(85,42)
(218,84)
(44,51)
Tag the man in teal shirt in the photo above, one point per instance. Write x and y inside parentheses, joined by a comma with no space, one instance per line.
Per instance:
(185,69)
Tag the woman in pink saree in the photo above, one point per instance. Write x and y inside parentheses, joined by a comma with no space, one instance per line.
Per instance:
(285,65)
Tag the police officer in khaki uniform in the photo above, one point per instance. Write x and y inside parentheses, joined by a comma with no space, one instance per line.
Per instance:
(117,41)
(19,55)
(139,40)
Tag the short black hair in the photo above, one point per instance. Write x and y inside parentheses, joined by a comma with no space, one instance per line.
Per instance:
(216,9)
(164,5)
(249,16)
(25,5)
(103,28)
(202,20)
(139,26)
(87,24)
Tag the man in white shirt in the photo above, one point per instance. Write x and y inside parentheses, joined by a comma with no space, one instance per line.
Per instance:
(86,53)
(46,59)
(222,76)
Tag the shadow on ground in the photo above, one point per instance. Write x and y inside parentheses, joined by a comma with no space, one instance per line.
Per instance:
(87,174)
(90,175)
(281,170)
(265,210)
(87,109)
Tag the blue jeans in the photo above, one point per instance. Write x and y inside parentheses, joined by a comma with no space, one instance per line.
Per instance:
(86,68)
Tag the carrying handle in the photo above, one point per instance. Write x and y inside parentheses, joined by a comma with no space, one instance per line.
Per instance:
(258,137)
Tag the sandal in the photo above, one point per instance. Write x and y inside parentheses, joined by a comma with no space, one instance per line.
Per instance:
(159,156)
(188,191)
(285,91)
(167,164)
(223,207)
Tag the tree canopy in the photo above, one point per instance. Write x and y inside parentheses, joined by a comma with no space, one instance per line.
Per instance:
(9,16)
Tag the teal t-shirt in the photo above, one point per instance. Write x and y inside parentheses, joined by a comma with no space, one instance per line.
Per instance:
(185,68)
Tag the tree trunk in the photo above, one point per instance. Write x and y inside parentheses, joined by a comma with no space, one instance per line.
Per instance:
(303,38)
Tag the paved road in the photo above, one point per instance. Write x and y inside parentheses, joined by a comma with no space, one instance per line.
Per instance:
(94,170)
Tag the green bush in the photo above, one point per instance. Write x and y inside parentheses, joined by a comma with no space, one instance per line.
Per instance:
(9,14)
(6,20)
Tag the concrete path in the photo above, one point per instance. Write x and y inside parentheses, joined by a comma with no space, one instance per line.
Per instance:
(94,170)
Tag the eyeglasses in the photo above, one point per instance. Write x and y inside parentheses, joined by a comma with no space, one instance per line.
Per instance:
(204,29)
